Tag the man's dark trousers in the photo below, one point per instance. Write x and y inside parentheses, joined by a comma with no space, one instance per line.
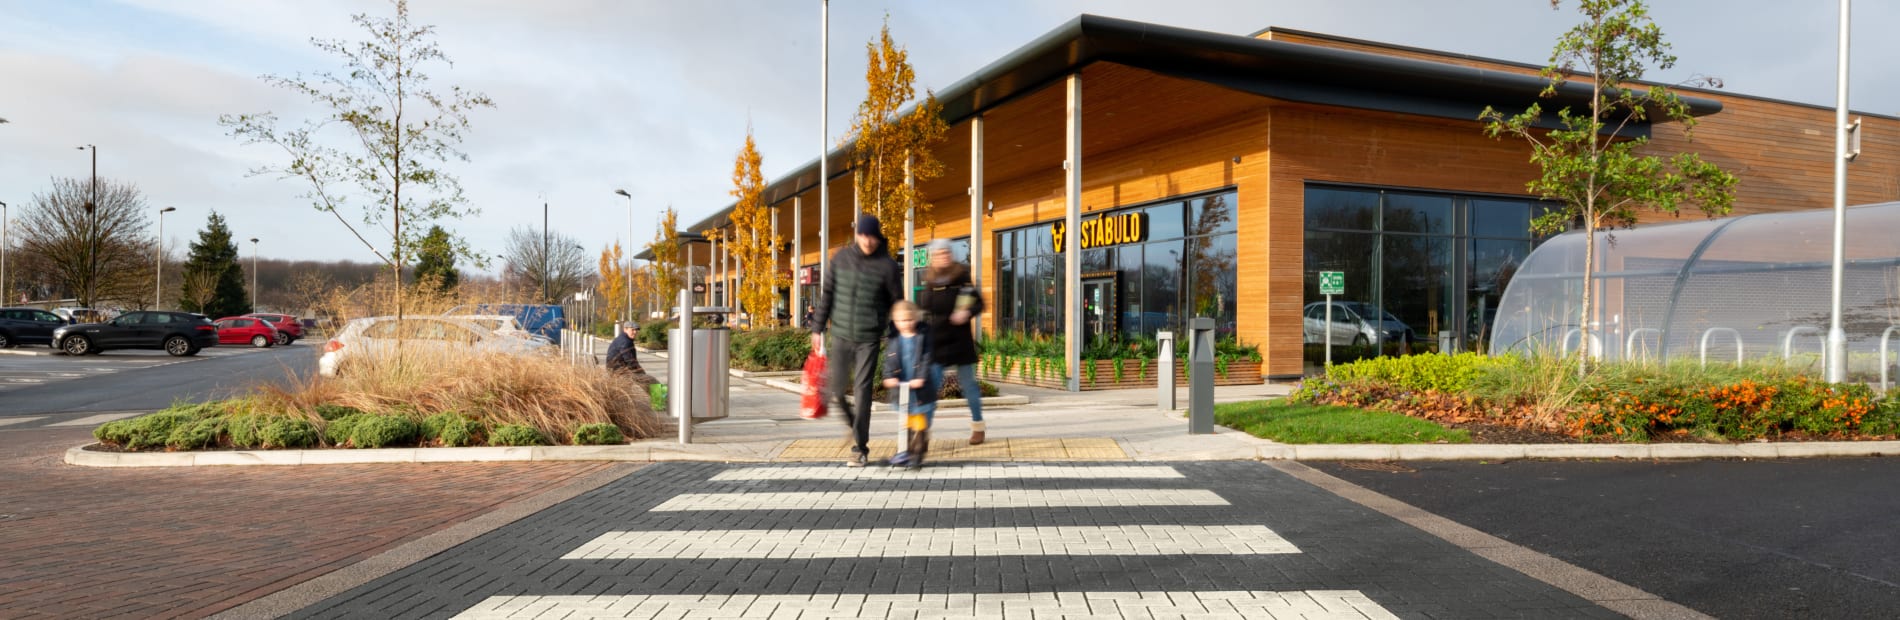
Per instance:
(856,362)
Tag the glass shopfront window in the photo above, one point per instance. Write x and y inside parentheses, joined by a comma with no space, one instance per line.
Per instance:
(1144,269)
(1421,268)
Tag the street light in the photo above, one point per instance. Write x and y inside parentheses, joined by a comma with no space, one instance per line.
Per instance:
(253,274)
(628,251)
(158,275)
(92,225)
(4,289)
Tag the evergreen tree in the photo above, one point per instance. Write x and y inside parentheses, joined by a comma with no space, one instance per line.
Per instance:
(436,259)
(214,281)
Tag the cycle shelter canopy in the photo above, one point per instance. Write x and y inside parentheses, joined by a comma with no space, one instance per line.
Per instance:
(1749,287)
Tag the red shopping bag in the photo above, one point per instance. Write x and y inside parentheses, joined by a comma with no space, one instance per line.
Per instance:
(812,406)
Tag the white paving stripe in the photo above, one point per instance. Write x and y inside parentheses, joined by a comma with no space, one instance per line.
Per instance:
(6,421)
(960,499)
(1040,605)
(1124,540)
(95,419)
(965,472)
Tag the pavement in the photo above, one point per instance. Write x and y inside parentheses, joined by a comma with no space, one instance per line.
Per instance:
(1049,524)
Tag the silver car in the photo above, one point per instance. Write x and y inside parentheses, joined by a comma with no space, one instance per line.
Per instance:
(1356,323)
(380,334)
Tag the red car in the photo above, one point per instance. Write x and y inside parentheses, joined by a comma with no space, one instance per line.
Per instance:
(289,329)
(247,329)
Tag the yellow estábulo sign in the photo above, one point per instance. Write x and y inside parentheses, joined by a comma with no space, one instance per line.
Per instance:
(1104,230)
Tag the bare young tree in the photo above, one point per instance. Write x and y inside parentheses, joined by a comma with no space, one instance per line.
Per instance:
(95,255)
(399,133)
(549,266)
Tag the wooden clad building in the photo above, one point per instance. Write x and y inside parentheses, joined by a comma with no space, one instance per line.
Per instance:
(1219,173)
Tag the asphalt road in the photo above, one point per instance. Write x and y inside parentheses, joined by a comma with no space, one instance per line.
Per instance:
(1792,538)
(140,380)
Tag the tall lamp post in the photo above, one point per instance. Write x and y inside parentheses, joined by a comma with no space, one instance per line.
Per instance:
(628,252)
(253,274)
(92,224)
(5,290)
(158,273)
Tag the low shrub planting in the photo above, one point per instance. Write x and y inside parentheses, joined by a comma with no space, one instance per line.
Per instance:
(652,334)
(143,432)
(451,429)
(1615,402)
(380,431)
(197,434)
(287,433)
(516,435)
(769,350)
(598,435)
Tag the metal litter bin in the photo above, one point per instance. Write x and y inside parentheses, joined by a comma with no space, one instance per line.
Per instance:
(708,377)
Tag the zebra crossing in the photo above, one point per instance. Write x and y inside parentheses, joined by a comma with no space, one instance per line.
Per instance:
(1212,540)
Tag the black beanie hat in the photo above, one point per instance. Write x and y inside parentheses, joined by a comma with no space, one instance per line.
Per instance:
(868,225)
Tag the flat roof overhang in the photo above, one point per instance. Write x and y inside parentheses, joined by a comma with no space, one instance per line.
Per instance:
(1276,69)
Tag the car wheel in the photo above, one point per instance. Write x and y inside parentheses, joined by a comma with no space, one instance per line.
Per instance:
(282,338)
(260,341)
(76,345)
(5,341)
(1360,341)
(178,346)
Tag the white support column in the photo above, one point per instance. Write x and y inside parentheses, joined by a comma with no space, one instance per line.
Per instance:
(824,138)
(976,212)
(798,255)
(1834,362)
(910,234)
(773,273)
(1072,233)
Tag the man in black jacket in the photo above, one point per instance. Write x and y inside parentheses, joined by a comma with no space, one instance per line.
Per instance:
(854,307)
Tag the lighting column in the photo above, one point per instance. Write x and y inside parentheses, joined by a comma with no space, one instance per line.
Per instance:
(158,273)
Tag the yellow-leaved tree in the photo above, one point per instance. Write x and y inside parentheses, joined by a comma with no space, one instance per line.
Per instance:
(613,288)
(752,239)
(664,269)
(887,141)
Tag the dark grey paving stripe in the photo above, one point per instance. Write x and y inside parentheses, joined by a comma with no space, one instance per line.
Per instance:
(288,600)
(1610,593)
(1345,546)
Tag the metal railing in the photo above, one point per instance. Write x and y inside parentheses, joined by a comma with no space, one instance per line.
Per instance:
(1710,332)
(1595,346)
(1629,344)
(1787,340)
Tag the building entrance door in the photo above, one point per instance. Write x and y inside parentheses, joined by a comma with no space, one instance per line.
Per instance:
(1098,307)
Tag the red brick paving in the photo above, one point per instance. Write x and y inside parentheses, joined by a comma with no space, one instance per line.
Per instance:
(191,542)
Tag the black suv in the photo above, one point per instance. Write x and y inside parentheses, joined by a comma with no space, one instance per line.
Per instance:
(27,326)
(177,333)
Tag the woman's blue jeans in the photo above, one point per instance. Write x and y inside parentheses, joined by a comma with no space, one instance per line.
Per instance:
(966,379)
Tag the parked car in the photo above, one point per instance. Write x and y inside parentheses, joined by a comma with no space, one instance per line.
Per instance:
(289,329)
(247,329)
(178,333)
(546,320)
(374,335)
(502,324)
(82,315)
(27,326)
(1356,323)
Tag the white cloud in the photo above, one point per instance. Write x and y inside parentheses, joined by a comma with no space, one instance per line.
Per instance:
(655,97)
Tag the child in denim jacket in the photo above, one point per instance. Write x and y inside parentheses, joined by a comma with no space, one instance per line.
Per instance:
(907,362)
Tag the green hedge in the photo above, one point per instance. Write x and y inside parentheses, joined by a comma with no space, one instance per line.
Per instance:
(769,350)
(516,435)
(598,435)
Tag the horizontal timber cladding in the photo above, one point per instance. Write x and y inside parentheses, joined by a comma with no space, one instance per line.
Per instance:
(1331,145)
(1781,151)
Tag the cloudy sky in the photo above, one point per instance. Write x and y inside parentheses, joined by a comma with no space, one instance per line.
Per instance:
(654,96)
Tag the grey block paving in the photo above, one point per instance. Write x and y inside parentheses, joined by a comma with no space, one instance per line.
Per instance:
(1345,550)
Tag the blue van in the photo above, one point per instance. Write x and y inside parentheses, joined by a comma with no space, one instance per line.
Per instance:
(545,321)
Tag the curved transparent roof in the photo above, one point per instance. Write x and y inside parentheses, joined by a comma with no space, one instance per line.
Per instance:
(1754,286)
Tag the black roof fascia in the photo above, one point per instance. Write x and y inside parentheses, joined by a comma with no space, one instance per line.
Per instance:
(1278,69)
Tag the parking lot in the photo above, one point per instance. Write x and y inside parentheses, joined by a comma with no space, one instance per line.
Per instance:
(129,380)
